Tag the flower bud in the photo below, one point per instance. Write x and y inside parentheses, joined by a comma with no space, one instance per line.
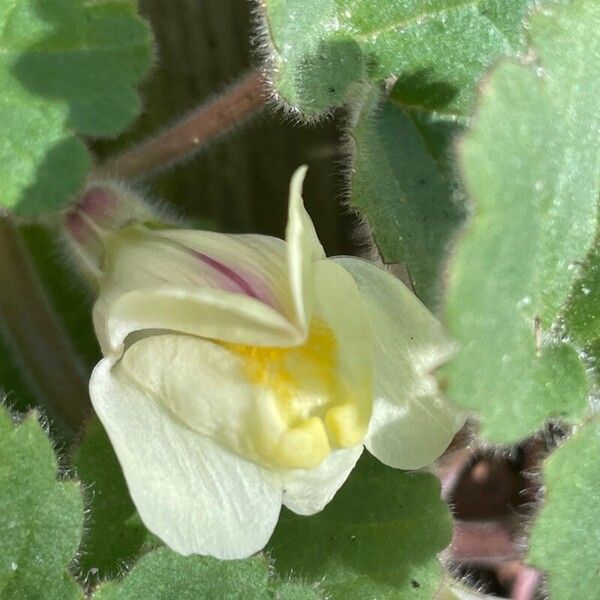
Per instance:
(102,209)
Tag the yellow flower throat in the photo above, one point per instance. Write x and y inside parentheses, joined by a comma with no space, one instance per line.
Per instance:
(317,408)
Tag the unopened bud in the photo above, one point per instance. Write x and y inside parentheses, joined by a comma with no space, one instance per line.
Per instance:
(103,209)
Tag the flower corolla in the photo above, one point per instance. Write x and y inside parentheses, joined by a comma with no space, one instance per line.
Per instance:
(243,372)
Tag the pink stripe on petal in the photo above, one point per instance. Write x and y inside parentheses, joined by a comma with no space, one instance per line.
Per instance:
(227,272)
(231,278)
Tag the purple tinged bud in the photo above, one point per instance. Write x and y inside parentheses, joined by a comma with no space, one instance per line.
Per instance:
(98,213)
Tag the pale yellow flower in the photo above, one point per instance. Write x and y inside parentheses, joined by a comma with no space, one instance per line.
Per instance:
(243,372)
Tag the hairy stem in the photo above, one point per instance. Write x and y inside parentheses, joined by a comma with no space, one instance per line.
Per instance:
(192,133)
(35,335)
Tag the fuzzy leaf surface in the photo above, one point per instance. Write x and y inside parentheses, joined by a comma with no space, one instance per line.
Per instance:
(67,67)
(164,574)
(582,316)
(566,536)
(531,165)
(41,519)
(325,49)
(378,538)
(404,185)
(114,533)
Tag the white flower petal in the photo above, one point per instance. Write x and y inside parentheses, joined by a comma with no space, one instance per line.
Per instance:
(307,492)
(339,303)
(303,250)
(252,265)
(203,312)
(239,281)
(412,424)
(204,386)
(197,497)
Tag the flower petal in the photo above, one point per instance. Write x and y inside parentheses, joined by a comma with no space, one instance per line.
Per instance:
(196,496)
(339,304)
(218,393)
(303,250)
(249,289)
(194,282)
(307,492)
(412,424)
(202,312)
(251,265)
(204,386)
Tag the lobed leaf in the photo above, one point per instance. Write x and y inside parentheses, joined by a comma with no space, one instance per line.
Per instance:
(324,50)
(328,52)
(378,538)
(566,536)
(67,67)
(41,519)
(532,167)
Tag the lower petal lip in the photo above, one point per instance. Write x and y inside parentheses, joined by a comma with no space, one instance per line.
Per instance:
(198,498)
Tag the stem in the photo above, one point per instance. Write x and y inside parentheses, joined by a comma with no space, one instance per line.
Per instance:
(36,336)
(191,134)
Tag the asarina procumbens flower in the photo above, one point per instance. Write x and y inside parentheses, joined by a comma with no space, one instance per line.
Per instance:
(243,372)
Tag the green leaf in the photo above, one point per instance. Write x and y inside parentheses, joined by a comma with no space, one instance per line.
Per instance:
(66,67)
(291,590)
(507,16)
(566,535)
(532,166)
(324,50)
(378,538)
(41,519)
(582,315)
(163,574)
(403,184)
(114,534)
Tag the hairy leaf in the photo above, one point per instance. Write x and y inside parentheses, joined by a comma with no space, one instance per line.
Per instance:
(114,533)
(325,49)
(403,183)
(163,574)
(378,538)
(566,536)
(41,519)
(507,16)
(67,67)
(582,316)
(532,166)
(291,590)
